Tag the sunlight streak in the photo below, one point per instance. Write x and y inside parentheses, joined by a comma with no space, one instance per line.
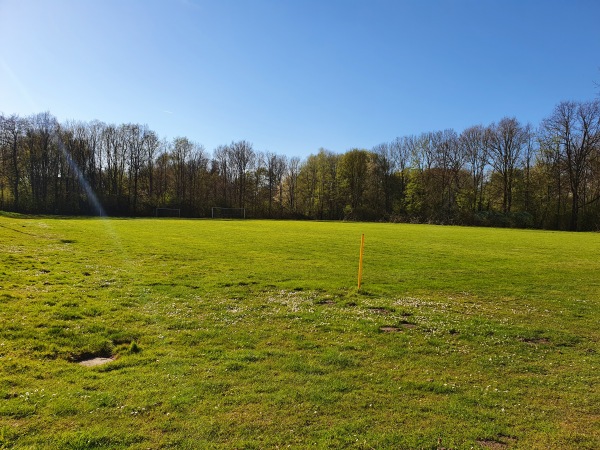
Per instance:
(20,87)
(93,198)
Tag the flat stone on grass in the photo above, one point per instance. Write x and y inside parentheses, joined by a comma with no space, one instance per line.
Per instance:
(96,361)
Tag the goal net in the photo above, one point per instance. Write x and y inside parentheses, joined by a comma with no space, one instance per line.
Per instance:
(168,212)
(228,213)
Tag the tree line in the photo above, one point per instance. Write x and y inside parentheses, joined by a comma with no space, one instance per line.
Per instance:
(503,174)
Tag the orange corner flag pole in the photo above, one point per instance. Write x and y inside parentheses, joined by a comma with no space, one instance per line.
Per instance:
(360,260)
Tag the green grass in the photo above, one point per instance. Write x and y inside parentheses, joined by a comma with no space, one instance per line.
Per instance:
(251,334)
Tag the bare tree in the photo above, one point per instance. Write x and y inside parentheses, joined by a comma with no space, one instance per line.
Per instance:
(279,169)
(269,162)
(475,147)
(383,168)
(448,160)
(43,168)
(181,153)
(576,128)
(507,141)
(67,188)
(242,158)
(291,183)
(151,149)
(141,145)
(531,152)
(163,174)
(197,178)
(12,133)
(221,158)
(3,162)
(307,192)
(113,164)
(400,151)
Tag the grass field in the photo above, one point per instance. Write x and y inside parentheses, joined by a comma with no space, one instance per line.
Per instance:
(251,334)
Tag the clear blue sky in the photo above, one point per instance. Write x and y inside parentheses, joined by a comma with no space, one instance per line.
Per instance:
(291,76)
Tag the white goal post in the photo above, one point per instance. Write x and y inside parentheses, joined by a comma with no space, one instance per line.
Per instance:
(168,212)
(228,213)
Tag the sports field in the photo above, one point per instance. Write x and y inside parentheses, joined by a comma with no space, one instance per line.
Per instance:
(251,334)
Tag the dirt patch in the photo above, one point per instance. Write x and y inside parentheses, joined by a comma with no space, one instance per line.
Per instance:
(496,445)
(96,361)
(383,311)
(397,328)
(326,302)
(493,445)
(535,341)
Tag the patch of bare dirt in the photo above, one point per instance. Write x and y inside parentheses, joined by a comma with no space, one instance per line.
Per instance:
(397,329)
(536,341)
(325,302)
(496,445)
(383,311)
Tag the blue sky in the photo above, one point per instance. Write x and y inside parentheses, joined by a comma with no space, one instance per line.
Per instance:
(292,76)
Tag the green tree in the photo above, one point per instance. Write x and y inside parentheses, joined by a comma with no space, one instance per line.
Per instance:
(353,178)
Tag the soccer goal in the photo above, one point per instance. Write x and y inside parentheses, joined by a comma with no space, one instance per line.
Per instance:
(168,212)
(228,213)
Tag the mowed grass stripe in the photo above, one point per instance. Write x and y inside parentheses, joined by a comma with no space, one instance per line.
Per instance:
(251,334)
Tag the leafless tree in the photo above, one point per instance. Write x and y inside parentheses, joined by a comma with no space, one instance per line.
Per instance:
(12,133)
(400,151)
(3,162)
(576,129)
(475,147)
(113,163)
(383,167)
(291,183)
(531,152)
(242,158)
(197,178)
(448,160)
(267,188)
(43,159)
(181,153)
(507,141)
(151,148)
(221,158)
(307,192)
